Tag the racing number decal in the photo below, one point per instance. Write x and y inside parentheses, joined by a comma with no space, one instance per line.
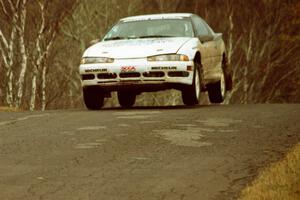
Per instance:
(128,69)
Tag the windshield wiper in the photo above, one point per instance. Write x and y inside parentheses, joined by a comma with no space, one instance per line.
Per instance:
(143,36)
(155,36)
(115,38)
(120,38)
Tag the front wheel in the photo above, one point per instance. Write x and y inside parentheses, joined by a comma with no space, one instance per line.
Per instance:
(126,99)
(191,94)
(93,98)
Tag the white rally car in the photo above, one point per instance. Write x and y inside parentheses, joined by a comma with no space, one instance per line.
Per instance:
(156,52)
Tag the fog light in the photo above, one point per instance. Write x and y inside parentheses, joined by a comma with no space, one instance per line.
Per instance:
(189,68)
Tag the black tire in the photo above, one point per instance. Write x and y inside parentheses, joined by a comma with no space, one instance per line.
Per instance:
(191,94)
(229,82)
(126,99)
(217,90)
(93,98)
(228,74)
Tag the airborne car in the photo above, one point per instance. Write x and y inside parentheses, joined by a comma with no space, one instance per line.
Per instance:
(156,52)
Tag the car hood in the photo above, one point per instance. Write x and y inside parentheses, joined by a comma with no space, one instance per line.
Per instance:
(136,48)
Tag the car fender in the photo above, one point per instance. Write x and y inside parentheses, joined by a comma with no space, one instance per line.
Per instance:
(191,48)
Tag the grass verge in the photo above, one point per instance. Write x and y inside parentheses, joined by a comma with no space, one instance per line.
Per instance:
(281,181)
(9,109)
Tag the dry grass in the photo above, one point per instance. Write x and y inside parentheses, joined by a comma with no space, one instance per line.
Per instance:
(8,109)
(281,181)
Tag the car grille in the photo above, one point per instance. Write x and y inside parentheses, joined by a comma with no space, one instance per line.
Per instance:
(107,76)
(124,75)
(87,77)
(178,74)
(129,75)
(153,74)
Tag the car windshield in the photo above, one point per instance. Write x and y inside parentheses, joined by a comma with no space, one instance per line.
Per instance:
(151,29)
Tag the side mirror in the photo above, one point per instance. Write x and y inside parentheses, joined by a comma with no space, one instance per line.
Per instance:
(218,36)
(205,38)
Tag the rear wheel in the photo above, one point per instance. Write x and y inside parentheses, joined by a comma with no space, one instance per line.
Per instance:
(126,99)
(191,94)
(93,98)
(217,91)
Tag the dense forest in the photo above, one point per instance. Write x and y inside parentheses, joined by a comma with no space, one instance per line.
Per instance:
(41,44)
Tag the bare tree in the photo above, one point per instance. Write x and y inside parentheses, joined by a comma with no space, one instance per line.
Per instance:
(23,52)
(39,56)
(16,44)
(168,5)
(7,44)
(46,35)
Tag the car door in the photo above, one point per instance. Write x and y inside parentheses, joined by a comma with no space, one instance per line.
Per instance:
(205,47)
(218,46)
(209,47)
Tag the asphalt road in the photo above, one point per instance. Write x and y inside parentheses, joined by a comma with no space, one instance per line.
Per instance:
(168,153)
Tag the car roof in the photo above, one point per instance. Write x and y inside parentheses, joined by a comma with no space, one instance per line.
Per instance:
(157,16)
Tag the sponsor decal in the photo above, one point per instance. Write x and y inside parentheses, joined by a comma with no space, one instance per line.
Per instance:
(95,70)
(139,42)
(164,68)
(128,69)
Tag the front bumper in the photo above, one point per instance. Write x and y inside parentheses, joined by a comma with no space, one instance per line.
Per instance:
(137,74)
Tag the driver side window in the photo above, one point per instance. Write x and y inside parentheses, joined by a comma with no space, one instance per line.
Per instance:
(200,27)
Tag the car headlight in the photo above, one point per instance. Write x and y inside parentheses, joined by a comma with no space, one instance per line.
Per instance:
(91,60)
(169,57)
